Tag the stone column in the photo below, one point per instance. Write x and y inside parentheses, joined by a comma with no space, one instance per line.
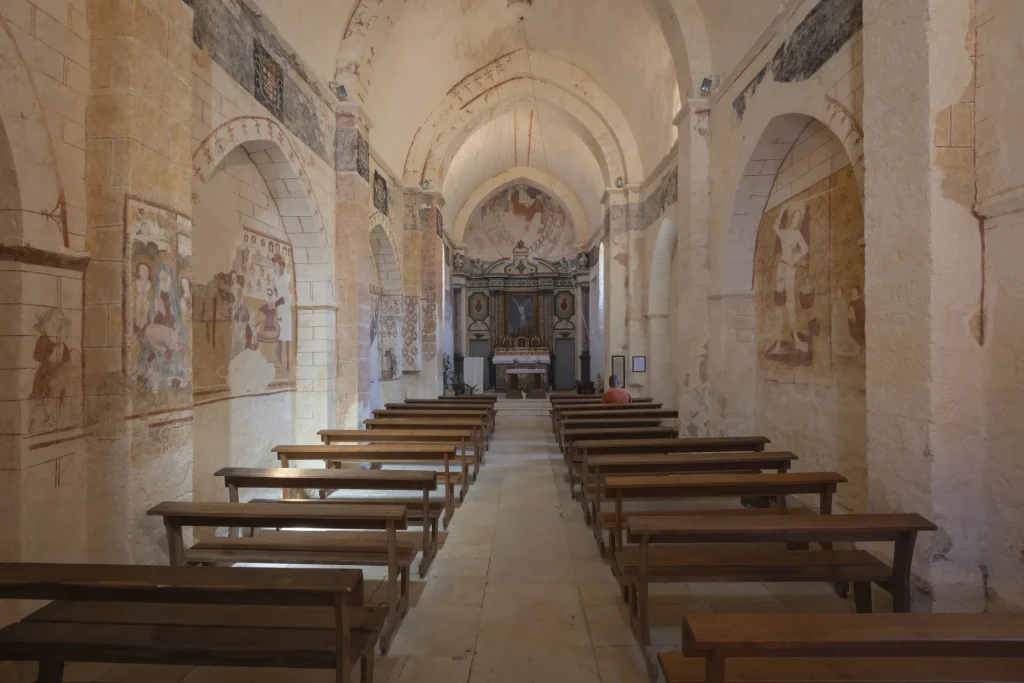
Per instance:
(926,435)
(137,358)
(616,284)
(423,294)
(660,359)
(352,259)
(583,333)
(693,270)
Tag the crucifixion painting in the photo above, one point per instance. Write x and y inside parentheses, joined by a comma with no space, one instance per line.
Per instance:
(522,314)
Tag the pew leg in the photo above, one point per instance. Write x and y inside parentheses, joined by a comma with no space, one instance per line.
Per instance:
(862,596)
(366,667)
(51,671)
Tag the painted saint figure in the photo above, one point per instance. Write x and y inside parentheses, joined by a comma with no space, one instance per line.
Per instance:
(143,287)
(282,287)
(794,249)
(242,336)
(161,361)
(51,379)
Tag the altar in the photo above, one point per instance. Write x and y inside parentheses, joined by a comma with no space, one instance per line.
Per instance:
(521,356)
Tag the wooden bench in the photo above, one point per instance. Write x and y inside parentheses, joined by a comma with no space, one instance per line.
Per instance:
(394,454)
(601,466)
(427,422)
(455,412)
(299,547)
(199,616)
(460,407)
(649,431)
(491,398)
(639,566)
(642,446)
(849,647)
(421,510)
(559,411)
(582,420)
(464,439)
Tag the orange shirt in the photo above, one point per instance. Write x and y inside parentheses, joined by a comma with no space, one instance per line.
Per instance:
(616,395)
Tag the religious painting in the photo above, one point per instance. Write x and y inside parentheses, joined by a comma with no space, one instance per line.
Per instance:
(244,320)
(380,192)
(565,305)
(56,378)
(809,270)
(479,304)
(159,300)
(521,314)
(521,213)
(268,87)
(363,157)
(619,368)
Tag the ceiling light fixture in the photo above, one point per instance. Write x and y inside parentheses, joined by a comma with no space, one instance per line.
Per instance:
(425,184)
(339,90)
(705,86)
(618,182)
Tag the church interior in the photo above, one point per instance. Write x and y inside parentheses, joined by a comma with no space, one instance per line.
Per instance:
(310,306)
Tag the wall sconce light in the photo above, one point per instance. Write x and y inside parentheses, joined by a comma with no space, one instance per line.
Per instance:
(705,86)
(339,90)
(425,184)
(618,182)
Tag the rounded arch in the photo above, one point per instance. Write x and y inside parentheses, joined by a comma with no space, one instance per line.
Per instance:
(27,159)
(658,289)
(512,80)
(686,32)
(755,180)
(555,187)
(280,165)
(385,259)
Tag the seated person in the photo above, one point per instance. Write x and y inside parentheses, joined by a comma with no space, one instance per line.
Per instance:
(615,393)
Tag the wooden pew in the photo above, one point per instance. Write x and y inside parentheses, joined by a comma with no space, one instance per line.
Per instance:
(577,420)
(642,446)
(427,420)
(672,463)
(560,410)
(453,406)
(849,647)
(639,566)
(463,438)
(493,398)
(299,547)
(417,411)
(395,454)
(646,431)
(575,398)
(287,479)
(198,616)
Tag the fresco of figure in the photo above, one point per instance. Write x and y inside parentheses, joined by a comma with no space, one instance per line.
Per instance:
(161,362)
(794,249)
(282,301)
(50,383)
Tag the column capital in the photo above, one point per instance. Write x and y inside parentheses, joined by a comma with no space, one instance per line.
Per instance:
(690,106)
(352,115)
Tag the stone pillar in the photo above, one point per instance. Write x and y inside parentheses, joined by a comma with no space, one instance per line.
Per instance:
(926,434)
(583,333)
(424,251)
(659,360)
(137,354)
(616,284)
(636,295)
(352,263)
(693,270)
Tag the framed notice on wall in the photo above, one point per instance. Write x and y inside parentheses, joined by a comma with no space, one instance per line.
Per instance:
(619,367)
(639,363)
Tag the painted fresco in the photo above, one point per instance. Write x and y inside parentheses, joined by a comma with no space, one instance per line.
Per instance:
(520,213)
(159,298)
(57,378)
(809,283)
(244,320)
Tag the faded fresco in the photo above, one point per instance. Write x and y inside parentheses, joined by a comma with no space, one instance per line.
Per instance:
(520,213)
(809,283)
(159,302)
(55,393)
(244,320)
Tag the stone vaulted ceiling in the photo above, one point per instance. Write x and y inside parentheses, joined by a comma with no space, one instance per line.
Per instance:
(446,84)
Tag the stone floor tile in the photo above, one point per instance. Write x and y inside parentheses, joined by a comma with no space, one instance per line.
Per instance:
(497,664)
(750,607)
(590,570)
(137,673)
(622,665)
(467,550)
(435,670)
(438,630)
(459,568)
(600,594)
(609,625)
(531,569)
(461,592)
(542,617)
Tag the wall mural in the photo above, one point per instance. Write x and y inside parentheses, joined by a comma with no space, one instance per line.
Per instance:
(244,320)
(809,281)
(479,305)
(56,378)
(520,213)
(159,302)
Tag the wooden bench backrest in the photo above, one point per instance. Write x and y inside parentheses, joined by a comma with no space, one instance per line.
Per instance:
(683,445)
(566,410)
(369,436)
(385,414)
(691,482)
(423,422)
(809,528)
(440,405)
(315,451)
(313,515)
(769,459)
(200,585)
(569,419)
(291,478)
(616,433)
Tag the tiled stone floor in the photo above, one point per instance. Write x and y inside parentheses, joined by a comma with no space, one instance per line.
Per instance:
(519,593)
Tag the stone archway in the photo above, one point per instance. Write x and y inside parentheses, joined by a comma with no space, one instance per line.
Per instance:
(387,317)
(792,301)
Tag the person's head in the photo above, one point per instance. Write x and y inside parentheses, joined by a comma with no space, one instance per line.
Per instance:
(613,381)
